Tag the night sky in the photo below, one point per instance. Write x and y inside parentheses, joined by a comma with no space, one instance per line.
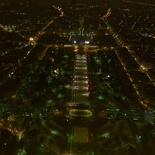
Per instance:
(77,1)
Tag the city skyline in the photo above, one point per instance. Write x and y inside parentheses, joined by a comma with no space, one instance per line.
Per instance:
(77,77)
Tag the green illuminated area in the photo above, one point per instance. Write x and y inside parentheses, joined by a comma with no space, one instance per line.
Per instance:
(80,113)
(110,89)
(48,79)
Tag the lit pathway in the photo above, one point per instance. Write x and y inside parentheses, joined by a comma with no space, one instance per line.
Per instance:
(80,88)
(80,81)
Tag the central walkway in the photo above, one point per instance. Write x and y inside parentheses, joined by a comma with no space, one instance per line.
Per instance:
(80,110)
(80,80)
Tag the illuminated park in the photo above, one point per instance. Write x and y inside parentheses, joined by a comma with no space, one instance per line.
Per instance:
(77,77)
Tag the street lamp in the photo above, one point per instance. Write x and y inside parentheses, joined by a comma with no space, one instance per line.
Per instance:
(31,41)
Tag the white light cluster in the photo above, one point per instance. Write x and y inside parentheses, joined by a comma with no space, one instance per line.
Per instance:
(86,42)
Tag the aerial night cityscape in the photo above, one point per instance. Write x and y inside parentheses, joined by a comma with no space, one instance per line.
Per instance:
(77,77)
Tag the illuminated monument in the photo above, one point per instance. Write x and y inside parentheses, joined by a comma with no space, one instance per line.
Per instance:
(80,36)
